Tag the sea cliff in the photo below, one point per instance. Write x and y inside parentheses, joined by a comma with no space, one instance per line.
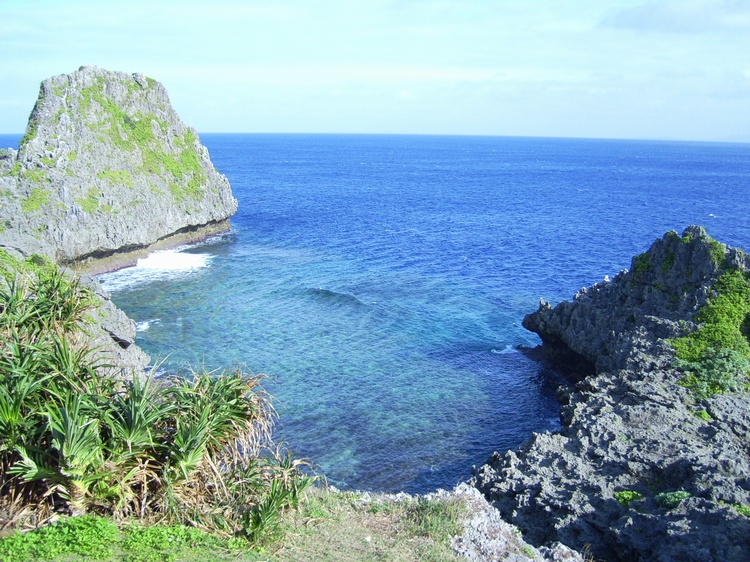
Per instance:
(649,464)
(107,168)
(105,173)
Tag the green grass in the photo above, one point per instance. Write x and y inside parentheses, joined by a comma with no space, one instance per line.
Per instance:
(136,131)
(327,526)
(91,538)
(117,177)
(90,202)
(35,175)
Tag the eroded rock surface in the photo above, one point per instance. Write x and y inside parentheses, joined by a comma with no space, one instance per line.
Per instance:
(105,172)
(106,166)
(630,427)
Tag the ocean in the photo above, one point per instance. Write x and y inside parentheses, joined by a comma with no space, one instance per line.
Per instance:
(380,282)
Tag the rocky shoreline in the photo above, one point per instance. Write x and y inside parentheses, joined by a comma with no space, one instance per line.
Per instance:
(641,469)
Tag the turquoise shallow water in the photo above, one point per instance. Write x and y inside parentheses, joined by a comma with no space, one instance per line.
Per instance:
(380,281)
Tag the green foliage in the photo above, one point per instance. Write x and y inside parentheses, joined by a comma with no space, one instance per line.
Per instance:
(723,371)
(743,510)
(625,497)
(117,177)
(641,264)
(88,537)
(37,198)
(136,131)
(31,129)
(35,175)
(715,356)
(668,262)
(35,265)
(703,415)
(89,203)
(194,450)
(670,500)
(717,251)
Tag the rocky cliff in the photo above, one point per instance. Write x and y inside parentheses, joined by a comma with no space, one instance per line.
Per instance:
(644,468)
(105,172)
(106,167)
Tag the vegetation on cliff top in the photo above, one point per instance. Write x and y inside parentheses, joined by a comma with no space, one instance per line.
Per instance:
(716,356)
(130,131)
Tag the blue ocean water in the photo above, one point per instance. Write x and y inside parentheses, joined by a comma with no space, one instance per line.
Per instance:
(380,281)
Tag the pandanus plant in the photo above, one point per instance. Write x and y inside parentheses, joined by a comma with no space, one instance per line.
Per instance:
(195,448)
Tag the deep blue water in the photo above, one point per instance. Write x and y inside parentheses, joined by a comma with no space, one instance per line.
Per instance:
(380,281)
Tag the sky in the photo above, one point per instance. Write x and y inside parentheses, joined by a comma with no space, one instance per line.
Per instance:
(640,69)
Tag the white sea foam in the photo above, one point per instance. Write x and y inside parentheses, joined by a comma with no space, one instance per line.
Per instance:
(163,265)
(145,325)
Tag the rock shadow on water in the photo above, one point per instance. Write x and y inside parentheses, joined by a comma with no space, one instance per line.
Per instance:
(559,358)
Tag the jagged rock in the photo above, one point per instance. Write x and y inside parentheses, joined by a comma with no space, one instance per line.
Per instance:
(105,167)
(487,538)
(105,172)
(628,426)
(113,333)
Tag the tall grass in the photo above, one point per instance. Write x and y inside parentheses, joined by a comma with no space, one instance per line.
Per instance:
(193,450)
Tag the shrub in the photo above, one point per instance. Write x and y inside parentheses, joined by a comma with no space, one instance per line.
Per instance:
(625,497)
(670,500)
(703,415)
(715,356)
(723,371)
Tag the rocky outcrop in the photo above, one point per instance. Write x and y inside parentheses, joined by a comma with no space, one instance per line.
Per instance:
(634,474)
(106,167)
(106,172)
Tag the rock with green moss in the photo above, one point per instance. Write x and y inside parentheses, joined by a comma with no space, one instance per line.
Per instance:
(656,422)
(106,166)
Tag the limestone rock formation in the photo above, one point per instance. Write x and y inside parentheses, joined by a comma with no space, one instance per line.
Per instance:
(631,440)
(105,167)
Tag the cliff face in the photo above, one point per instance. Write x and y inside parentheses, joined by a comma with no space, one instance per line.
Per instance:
(642,468)
(105,167)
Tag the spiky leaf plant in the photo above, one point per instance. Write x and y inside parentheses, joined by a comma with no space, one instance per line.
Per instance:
(194,450)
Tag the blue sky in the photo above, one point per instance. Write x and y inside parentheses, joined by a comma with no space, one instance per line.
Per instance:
(649,69)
